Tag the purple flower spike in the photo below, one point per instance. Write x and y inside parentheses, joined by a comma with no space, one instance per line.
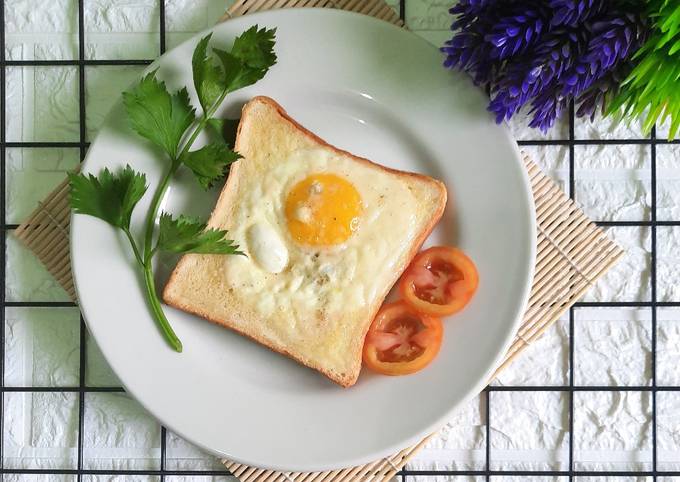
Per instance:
(544,53)
(546,108)
(612,40)
(513,34)
(592,99)
(572,12)
(528,77)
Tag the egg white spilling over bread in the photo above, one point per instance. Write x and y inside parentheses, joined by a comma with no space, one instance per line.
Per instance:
(326,235)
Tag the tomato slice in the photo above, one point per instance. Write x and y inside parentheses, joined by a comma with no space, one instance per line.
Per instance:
(401,341)
(440,281)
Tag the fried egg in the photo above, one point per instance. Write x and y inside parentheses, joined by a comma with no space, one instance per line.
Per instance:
(317,231)
(326,234)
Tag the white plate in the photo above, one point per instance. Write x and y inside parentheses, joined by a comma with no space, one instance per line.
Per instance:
(377,91)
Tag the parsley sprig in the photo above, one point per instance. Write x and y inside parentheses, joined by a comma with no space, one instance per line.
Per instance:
(170,122)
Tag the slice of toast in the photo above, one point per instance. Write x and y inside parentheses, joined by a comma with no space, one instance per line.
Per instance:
(311,302)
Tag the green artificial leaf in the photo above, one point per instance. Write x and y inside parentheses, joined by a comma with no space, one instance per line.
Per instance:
(188,235)
(208,76)
(650,91)
(209,163)
(110,197)
(157,115)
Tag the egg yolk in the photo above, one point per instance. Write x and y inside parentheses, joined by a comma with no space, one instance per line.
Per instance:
(323,209)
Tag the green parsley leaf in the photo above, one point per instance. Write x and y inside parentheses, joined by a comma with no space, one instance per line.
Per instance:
(216,125)
(188,235)
(208,77)
(236,74)
(255,47)
(226,129)
(157,115)
(229,131)
(209,163)
(250,58)
(110,197)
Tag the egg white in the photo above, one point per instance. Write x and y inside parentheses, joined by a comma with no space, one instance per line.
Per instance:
(327,280)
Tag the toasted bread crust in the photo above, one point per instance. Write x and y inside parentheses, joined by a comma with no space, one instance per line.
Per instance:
(349,379)
(345,382)
(281,111)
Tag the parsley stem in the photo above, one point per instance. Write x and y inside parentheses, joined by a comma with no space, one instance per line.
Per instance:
(203,121)
(153,210)
(138,256)
(151,294)
(149,251)
(155,303)
(153,251)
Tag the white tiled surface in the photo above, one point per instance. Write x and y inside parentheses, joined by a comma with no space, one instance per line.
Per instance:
(529,429)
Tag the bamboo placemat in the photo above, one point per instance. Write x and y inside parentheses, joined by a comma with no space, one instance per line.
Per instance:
(572,253)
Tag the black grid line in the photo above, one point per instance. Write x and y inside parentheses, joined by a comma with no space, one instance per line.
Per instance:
(83,151)
(80,62)
(3,238)
(571,393)
(164,432)
(572,195)
(487,431)
(81,395)
(595,142)
(491,388)
(82,389)
(653,289)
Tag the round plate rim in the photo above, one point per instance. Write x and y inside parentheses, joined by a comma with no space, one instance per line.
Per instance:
(441,420)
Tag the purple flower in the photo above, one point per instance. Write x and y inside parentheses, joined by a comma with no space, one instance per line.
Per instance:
(547,107)
(468,51)
(606,86)
(519,86)
(612,40)
(471,6)
(572,12)
(538,73)
(544,53)
(514,33)
(488,33)
(468,11)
